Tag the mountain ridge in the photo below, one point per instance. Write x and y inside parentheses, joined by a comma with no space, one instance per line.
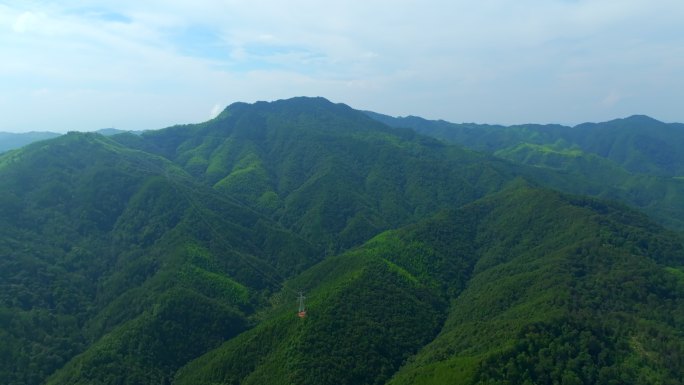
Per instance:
(258,155)
(176,256)
(634,159)
(506,267)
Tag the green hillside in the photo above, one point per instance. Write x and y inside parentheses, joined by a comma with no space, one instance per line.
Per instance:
(635,160)
(543,288)
(102,244)
(638,143)
(133,228)
(324,170)
(176,257)
(577,295)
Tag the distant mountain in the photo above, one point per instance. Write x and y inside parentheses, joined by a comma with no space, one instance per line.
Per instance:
(639,144)
(636,160)
(10,141)
(177,256)
(114,131)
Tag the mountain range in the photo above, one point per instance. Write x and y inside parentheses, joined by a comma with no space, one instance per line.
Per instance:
(13,140)
(428,252)
(10,140)
(635,160)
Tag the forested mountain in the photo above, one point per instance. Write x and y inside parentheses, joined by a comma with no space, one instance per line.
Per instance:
(326,171)
(636,160)
(121,254)
(638,143)
(10,140)
(583,293)
(176,256)
(525,286)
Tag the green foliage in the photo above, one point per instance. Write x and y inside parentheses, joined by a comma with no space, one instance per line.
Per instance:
(635,160)
(352,333)
(149,348)
(565,290)
(175,256)
(325,171)
(96,236)
(564,352)
(545,288)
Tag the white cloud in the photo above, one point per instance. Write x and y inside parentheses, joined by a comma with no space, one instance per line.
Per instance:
(612,99)
(216,110)
(490,61)
(25,22)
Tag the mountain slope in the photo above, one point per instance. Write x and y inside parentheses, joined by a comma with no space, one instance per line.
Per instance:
(639,144)
(176,257)
(101,243)
(125,236)
(516,282)
(324,170)
(368,311)
(566,290)
(635,160)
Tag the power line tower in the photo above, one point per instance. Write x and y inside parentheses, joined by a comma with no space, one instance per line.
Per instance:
(302,309)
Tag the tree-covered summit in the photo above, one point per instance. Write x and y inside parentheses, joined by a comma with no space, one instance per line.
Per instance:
(176,256)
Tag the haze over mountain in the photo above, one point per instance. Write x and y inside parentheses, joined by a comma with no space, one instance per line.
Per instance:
(176,256)
(639,143)
(140,65)
(13,140)
(9,140)
(636,160)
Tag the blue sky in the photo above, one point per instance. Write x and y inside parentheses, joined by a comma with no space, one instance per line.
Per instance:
(85,65)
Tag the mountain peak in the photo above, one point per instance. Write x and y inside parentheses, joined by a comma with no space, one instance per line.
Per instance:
(643,119)
(304,113)
(297,103)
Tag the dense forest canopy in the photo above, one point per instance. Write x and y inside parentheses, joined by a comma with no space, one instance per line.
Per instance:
(428,252)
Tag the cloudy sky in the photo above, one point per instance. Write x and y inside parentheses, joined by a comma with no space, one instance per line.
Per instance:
(85,65)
